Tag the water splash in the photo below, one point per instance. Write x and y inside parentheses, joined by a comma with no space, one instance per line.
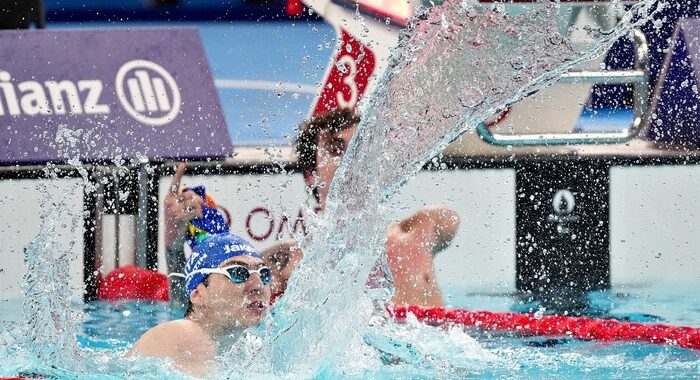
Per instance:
(449,350)
(455,66)
(51,323)
(46,339)
(45,342)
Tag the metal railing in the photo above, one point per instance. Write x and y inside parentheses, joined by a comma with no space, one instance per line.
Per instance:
(639,77)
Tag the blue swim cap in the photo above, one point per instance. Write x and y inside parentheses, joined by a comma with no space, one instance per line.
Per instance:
(210,253)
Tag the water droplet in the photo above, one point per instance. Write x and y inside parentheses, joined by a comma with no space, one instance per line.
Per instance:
(517,63)
(539,313)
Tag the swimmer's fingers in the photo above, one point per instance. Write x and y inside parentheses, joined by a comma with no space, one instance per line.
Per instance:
(172,201)
(177,177)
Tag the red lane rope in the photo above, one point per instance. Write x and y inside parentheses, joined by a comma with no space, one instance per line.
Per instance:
(130,282)
(583,328)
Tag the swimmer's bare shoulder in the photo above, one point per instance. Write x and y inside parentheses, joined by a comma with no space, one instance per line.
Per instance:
(183,341)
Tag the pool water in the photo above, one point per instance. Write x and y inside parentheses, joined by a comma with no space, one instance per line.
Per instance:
(413,350)
(390,350)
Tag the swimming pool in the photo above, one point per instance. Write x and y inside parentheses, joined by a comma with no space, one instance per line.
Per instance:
(110,328)
(45,346)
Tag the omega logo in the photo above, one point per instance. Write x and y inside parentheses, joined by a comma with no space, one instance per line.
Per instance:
(262,224)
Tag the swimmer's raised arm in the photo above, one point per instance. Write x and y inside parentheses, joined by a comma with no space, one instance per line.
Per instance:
(180,208)
(410,247)
(444,221)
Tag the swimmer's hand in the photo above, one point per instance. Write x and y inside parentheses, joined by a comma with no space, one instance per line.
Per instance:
(282,258)
(181,206)
(445,221)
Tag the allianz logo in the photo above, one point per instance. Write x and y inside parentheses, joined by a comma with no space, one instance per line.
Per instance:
(144,89)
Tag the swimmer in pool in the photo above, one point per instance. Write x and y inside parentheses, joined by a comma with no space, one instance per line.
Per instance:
(228,291)
(410,244)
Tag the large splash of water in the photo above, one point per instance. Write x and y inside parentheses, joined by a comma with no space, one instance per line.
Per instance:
(455,66)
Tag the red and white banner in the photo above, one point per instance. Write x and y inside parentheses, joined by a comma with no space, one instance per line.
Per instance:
(353,65)
(364,44)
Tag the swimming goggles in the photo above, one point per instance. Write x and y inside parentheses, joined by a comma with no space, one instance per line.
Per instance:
(238,274)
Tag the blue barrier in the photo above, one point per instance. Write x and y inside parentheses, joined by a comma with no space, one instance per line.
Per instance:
(184,10)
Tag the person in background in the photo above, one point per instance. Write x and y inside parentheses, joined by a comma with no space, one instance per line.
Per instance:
(190,215)
(411,243)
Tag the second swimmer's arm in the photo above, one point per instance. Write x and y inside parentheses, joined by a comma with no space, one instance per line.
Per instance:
(180,207)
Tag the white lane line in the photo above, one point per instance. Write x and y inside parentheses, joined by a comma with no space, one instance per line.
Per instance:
(239,84)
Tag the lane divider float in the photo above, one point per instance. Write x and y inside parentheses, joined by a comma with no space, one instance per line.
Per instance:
(583,328)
